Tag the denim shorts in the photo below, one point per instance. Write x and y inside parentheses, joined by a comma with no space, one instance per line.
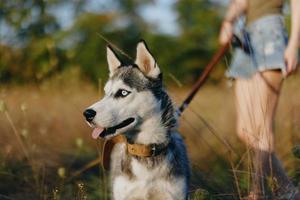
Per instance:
(266,39)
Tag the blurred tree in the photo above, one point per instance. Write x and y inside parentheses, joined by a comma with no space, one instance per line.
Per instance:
(33,51)
(123,26)
(199,21)
(39,47)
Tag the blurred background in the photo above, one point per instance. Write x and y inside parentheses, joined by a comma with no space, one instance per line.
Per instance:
(53,65)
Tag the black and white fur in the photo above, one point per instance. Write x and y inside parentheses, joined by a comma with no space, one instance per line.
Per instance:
(136,91)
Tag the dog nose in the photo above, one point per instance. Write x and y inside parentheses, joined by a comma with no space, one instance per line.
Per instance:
(89,114)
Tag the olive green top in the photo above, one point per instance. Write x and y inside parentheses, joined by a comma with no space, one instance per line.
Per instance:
(259,8)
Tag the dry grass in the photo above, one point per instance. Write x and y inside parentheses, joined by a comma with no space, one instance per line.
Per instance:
(48,119)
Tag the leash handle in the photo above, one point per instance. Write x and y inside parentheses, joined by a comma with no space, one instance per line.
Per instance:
(201,80)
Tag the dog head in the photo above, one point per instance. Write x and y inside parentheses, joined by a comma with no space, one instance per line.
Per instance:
(132,94)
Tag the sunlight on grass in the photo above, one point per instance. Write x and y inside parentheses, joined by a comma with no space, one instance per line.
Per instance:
(47,151)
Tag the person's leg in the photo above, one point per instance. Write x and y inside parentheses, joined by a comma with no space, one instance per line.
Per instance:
(256,101)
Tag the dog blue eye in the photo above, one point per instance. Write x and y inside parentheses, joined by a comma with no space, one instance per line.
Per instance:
(121,93)
(124,93)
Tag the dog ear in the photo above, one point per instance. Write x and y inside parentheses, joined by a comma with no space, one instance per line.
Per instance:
(112,60)
(145,61)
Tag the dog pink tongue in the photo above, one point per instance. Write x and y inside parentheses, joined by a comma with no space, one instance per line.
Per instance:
(96,132)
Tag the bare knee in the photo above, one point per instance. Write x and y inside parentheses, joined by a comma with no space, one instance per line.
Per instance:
(266,141)
(245,136)
(261,138)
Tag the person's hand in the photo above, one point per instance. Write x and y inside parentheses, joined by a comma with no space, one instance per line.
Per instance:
(226,32)
(291,58)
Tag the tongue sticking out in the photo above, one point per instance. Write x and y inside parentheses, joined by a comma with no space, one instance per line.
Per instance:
(97,131)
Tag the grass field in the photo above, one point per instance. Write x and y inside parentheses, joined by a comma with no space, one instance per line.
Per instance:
(45,145)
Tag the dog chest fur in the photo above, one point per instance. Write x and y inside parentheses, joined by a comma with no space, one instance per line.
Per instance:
(147,179)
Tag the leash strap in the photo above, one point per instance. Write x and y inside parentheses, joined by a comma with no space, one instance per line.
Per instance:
(201,80)
(108,147)
(236,42)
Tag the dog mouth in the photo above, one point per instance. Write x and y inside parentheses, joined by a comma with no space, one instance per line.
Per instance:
(103,132)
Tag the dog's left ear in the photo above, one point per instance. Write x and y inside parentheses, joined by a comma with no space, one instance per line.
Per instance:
(112,60)
(145,61)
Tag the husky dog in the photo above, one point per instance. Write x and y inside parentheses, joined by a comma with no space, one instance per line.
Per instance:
(136,105)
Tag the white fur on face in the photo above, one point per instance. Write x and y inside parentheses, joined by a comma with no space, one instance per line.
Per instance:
(112,111)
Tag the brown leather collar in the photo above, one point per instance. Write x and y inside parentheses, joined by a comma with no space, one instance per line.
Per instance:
(139,150)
